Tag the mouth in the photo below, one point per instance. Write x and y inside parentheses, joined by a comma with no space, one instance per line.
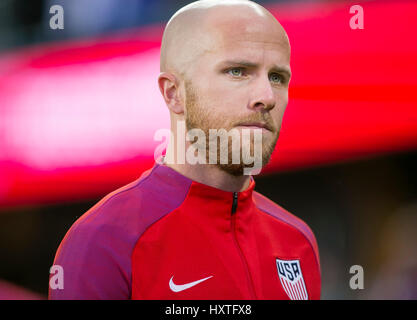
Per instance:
(255,125)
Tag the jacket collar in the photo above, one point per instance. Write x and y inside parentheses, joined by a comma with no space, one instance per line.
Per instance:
(205,192)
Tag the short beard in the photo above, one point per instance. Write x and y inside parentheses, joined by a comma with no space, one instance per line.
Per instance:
(197,116)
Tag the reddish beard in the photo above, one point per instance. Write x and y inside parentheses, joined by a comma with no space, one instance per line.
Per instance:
(198,116)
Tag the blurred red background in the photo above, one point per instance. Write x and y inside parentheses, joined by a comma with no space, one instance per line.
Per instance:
(78,118)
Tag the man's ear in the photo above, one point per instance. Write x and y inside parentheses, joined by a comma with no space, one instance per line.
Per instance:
(170,90)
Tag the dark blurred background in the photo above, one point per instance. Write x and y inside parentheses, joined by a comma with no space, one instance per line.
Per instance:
(26,22)
(363,210)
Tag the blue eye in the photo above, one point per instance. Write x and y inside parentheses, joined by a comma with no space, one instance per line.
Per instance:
(275,77)
(235,74)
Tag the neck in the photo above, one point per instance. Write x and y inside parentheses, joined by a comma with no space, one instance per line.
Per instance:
(211,175)
(208,174)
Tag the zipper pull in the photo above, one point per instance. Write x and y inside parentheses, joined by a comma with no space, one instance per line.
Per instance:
(234,205)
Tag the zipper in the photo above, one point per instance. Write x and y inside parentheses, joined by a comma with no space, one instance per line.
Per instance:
(233,227)
(234,205)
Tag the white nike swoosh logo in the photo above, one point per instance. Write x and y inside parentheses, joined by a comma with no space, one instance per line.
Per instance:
(180,287)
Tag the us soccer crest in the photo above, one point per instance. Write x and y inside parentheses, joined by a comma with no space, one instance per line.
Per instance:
(292,280)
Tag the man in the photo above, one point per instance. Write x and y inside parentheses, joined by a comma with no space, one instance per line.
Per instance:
(199,230)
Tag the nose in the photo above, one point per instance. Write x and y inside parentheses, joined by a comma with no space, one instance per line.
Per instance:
(263,96)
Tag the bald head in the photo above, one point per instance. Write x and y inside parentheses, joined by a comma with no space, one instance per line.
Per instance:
(207,25)
(225,64)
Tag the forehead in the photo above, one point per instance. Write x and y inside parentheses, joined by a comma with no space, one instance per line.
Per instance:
(253,35)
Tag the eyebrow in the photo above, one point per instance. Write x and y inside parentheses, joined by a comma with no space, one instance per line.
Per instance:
(249,64)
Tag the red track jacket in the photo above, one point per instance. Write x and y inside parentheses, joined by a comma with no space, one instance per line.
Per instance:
(165,236)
